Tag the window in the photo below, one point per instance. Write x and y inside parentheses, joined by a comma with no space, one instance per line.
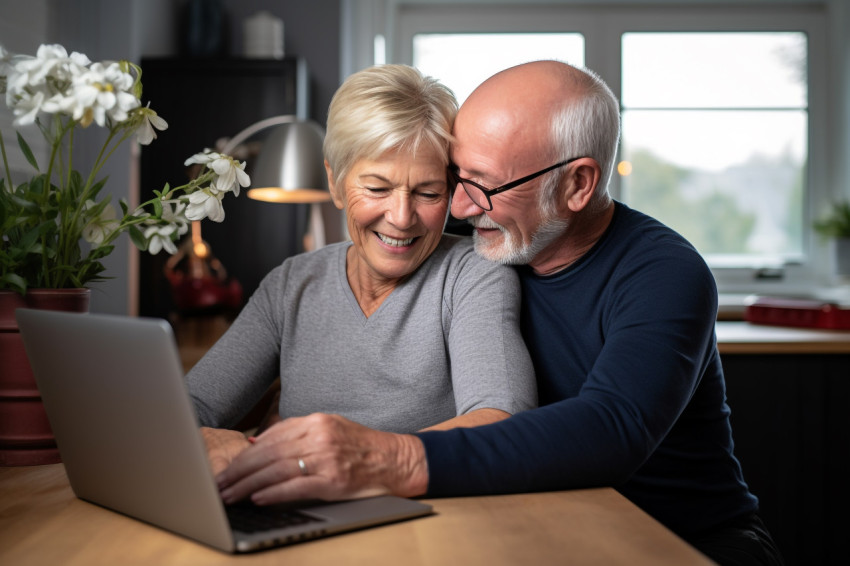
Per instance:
(476,56)
(714,140)
(725,113)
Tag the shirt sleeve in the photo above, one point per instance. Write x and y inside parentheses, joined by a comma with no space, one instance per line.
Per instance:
(235,373)
(490,365)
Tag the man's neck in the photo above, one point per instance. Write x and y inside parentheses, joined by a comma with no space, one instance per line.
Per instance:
(579,237)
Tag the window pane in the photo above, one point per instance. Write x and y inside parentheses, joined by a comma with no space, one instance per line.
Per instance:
(716,154)
(462,61)
(729,181)
(751,70)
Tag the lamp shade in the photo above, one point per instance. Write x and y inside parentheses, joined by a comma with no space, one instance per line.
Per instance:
(289,167)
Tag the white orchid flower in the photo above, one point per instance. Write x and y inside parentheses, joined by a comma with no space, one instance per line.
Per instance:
(26,75)
(159,238)
(103,91)
(27,108)
(174,213)
(98,229)
(206,156)
(50,61)
(150,122)
(231,174)
(203,204)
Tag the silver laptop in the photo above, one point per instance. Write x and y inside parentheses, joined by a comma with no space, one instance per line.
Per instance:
(115,397)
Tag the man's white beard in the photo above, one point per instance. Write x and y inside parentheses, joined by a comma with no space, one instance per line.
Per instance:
(509,251)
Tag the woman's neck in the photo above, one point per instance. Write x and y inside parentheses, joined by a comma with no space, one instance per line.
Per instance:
(369,291)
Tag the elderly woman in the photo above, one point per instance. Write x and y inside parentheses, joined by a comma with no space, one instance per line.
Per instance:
(400,329)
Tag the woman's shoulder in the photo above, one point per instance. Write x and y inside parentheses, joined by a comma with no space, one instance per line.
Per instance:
(308,264)
(454,244)
(457,255)
(454,249)
(321,257)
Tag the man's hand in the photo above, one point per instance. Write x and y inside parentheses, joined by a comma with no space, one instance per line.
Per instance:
(223,446)
(325,457)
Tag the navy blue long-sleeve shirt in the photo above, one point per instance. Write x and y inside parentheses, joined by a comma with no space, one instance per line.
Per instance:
(630,384)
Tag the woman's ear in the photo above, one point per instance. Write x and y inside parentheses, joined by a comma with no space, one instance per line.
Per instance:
(585,176)
(338,202)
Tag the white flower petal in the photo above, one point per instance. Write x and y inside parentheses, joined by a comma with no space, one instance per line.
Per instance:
(221,165)
(158,122)
(242,176)
(197,209)
(217,212)
(198,197)
(169,245)
(106,99)
(195,212)
(150,122)
(154,246)
(201,158)
(145,133)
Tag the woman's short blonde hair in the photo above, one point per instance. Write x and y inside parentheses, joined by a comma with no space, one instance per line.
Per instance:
(383,108)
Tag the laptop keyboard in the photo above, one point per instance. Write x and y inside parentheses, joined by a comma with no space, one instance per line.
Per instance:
(249,518)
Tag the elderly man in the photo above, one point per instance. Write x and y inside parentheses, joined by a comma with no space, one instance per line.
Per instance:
(618,314)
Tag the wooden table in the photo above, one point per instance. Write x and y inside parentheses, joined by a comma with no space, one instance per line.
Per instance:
(746,338)
(42,523)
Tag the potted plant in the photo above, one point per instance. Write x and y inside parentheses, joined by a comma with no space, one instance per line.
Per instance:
(836,226)
(56,225)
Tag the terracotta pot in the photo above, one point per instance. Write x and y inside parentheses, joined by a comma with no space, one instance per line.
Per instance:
(25,435)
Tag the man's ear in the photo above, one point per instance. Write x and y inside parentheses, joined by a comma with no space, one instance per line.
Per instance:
(338,202)
(585,175)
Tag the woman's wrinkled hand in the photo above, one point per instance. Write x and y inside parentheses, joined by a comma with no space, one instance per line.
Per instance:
(325,457)
(223,446)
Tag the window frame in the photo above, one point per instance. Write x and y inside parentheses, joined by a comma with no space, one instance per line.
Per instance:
(602,26)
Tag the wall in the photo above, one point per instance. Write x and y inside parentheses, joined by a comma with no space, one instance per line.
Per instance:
(22,31)
(311,31)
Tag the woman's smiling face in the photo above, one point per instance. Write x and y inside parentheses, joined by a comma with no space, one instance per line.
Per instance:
(396,209)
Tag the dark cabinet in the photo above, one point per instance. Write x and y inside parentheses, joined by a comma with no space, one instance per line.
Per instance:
(204,100)
(791,425)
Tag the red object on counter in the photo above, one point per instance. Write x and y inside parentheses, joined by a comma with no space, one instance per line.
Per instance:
(806,313)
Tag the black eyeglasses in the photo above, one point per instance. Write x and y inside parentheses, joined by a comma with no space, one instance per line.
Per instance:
(481,195)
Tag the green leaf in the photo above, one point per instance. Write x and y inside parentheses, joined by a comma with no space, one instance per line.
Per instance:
(836,224)
(75,185)
(34,187)
(25,204)
(28,242)
(101,252)
(97,187)
(96,210)
(137,85)
(27,151)
(138,238)
(14,282)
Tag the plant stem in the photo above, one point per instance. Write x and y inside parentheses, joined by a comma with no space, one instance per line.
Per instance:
(6,163)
